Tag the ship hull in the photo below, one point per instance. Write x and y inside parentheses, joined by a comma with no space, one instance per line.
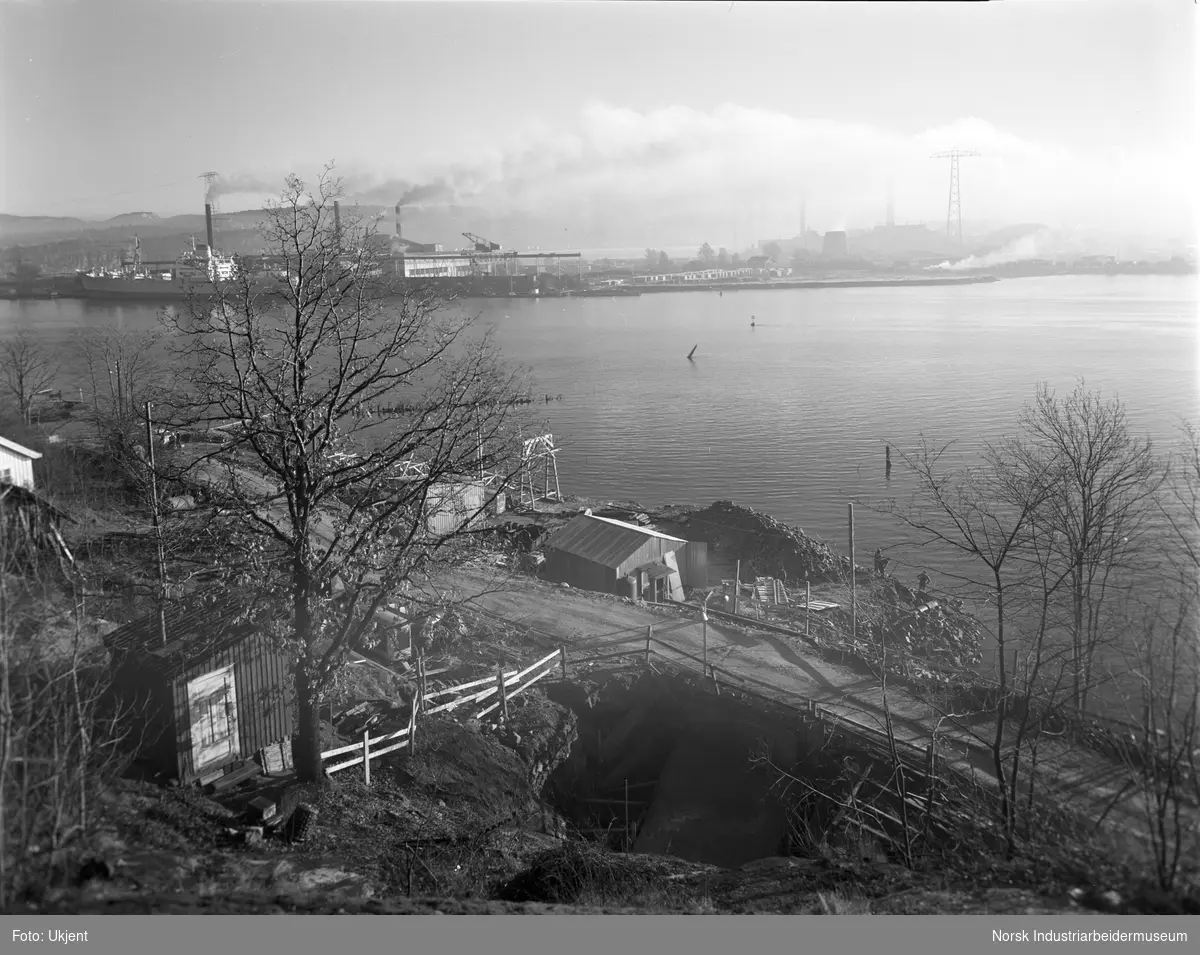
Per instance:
(167,290)
(137,290)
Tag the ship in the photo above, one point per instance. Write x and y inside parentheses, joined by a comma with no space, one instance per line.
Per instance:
(199,272)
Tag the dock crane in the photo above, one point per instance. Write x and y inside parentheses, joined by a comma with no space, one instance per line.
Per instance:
(482,244)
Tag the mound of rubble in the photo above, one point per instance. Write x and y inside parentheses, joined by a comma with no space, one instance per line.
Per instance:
(768,547)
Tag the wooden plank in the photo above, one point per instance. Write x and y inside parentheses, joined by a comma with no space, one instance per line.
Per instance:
(340,751)
(462,686)
(529,669)
(607,656)
(390,749)
(338,767)
(521,689)
(388,737)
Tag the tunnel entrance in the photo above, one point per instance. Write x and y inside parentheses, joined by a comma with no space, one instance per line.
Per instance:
(663,765)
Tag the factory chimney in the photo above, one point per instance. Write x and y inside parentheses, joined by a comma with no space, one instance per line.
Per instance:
(399,235)
(208,225)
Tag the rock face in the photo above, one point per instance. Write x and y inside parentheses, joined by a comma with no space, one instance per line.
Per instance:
(542,733)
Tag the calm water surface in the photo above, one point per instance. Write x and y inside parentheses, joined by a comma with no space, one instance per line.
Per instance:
(791,416)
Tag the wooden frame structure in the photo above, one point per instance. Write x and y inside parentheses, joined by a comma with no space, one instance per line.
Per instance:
(534,451)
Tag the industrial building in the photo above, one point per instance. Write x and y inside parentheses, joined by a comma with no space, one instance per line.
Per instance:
(215,693)
(600,553)
(834,245)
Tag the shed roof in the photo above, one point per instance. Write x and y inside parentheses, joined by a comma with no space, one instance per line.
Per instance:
(602,540)
(19,449)
(194,631)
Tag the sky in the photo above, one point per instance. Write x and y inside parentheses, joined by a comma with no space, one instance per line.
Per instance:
(648,120)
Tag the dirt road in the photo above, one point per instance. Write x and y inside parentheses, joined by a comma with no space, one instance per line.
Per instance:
(579,618)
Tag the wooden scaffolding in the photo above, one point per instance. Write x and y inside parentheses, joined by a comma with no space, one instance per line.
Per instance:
(539,455)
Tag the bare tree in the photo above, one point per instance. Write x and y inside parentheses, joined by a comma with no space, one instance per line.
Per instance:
(25,370)
(987,514)
(358,411)
(1164,662)
(61,738)
(1105,480)
(125,372)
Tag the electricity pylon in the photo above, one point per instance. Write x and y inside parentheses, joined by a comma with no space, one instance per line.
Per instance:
(954,212)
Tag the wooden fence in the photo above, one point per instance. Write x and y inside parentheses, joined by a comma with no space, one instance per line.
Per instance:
(503,685)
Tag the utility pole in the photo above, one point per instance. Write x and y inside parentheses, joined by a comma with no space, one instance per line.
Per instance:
(853,605)
(162,560)
(954,209)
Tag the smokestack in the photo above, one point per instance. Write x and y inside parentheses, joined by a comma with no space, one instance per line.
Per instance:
(208,224)
(337,225)
(398,233)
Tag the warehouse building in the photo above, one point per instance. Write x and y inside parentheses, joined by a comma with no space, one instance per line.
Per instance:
(600,553)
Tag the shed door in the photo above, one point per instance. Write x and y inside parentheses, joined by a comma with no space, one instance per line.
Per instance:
(212,706)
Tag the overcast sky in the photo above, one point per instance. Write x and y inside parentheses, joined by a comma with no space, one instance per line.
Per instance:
(1084,111)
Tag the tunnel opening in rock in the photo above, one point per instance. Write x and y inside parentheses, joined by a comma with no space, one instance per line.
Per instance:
(664,765)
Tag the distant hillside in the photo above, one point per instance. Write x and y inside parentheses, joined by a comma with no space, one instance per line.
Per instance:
(17,228)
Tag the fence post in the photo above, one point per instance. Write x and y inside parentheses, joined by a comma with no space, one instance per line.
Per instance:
(503,714)
(562,659)
(367,757)
(626,815)
(929,780)
(649,634)
(807,605)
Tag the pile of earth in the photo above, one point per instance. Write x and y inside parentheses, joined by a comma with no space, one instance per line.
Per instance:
(766,546)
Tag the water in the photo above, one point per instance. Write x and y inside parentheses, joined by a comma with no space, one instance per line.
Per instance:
(791,416)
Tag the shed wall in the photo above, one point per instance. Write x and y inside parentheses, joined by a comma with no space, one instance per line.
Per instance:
(693,564)
(263,687)
(652,550)
(579,572)
(451,506)
(18,467)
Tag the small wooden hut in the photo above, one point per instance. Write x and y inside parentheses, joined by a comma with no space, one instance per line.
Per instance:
(216,693)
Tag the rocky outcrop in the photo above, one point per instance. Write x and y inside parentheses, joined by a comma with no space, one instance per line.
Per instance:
(542,733)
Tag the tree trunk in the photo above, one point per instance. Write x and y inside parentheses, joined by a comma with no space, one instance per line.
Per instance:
(1001,711)
(307,752)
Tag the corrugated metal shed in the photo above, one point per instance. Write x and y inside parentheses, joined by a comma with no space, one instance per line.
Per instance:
(213,658)
(16,463)
(602,540)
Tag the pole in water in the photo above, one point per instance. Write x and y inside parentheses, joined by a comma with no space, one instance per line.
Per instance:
(887,460)
(751,321)
(692,352)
